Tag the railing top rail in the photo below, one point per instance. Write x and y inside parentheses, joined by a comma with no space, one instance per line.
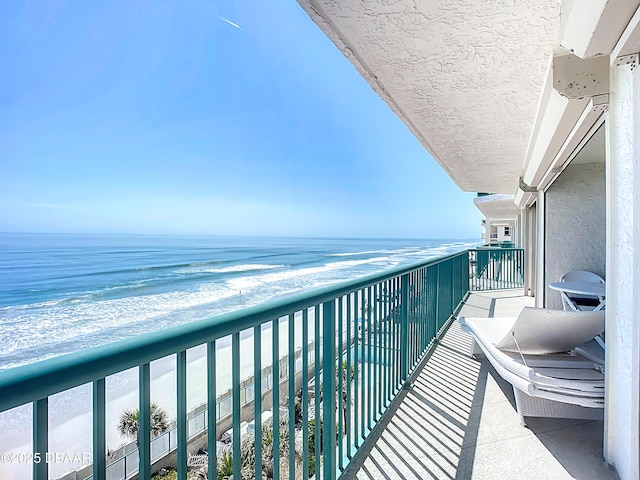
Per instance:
(496,248)
(25,383)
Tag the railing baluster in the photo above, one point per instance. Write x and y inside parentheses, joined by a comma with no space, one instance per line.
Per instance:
(292,394)
(369,361)
(391,321)
(341,378)
(385,337)
(417,318)
(349,430)
(404,337)
(235,389)
(181,379)
(382,315)
(361,353)
(40,439)
(316,396)
(212,412)
(305,394)
(372,359)
(423,299)
(144,379)
(257,398)
(99,440)
(356,373)
(398,335)
(379,353)
(394,339)
(275,369)
(329,388)
(413,325)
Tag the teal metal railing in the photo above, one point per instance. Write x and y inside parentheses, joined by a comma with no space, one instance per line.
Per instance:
(126,465)
(366,336)
(494,268)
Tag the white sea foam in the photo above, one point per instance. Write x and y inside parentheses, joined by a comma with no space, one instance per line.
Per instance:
(309,276)
(49,323)
(231,269)
(366,252)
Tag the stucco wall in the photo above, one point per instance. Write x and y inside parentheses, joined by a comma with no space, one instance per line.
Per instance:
(575,233)
(622,411)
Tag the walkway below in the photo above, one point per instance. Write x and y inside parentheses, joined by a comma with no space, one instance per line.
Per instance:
(458,421)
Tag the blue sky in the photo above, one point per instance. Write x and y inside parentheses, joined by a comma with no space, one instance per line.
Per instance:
(204,117)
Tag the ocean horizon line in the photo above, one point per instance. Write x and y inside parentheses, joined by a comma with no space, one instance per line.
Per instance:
(245,235)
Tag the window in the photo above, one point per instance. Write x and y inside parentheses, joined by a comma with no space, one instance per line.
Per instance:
(507,231)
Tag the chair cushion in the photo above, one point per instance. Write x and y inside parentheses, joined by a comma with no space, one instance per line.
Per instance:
(540,331)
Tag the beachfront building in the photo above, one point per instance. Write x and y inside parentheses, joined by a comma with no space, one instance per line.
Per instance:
(540,100)
(500,224)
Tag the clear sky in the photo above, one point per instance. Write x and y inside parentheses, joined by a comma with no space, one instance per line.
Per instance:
(219,116)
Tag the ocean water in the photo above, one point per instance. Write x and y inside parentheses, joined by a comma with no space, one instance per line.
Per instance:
(62,293)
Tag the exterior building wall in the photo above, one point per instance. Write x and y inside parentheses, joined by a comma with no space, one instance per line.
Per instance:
(497,232)
(622,409)
(575,225)
(505,233)
(494,234)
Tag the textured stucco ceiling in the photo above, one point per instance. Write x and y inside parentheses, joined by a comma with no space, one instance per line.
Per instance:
(465,76)
(497,206)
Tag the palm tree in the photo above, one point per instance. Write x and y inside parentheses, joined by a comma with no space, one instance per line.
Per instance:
(129,423)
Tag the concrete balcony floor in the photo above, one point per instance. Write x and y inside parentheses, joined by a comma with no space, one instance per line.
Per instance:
(458,421)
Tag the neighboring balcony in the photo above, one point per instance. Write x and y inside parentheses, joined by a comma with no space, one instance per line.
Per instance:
(369,378)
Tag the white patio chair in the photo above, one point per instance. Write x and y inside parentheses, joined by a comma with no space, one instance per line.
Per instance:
(536,354)
(198,460)
(575,301)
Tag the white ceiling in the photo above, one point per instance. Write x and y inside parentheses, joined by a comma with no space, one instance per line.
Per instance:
(465,76)
(497,206)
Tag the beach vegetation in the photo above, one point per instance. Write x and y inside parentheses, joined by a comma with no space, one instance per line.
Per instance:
(311,435)
(225,465)
(166,474)
(129,422)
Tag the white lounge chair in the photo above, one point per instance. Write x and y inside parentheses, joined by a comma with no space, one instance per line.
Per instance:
(535,353)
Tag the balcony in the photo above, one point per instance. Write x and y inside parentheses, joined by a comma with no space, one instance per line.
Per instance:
(394,401)
(458,420)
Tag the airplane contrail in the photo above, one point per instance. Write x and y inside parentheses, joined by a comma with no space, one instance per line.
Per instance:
(230,22)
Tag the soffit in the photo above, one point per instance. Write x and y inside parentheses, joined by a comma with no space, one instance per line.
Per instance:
(497,206)
(466,77)
(593,151)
